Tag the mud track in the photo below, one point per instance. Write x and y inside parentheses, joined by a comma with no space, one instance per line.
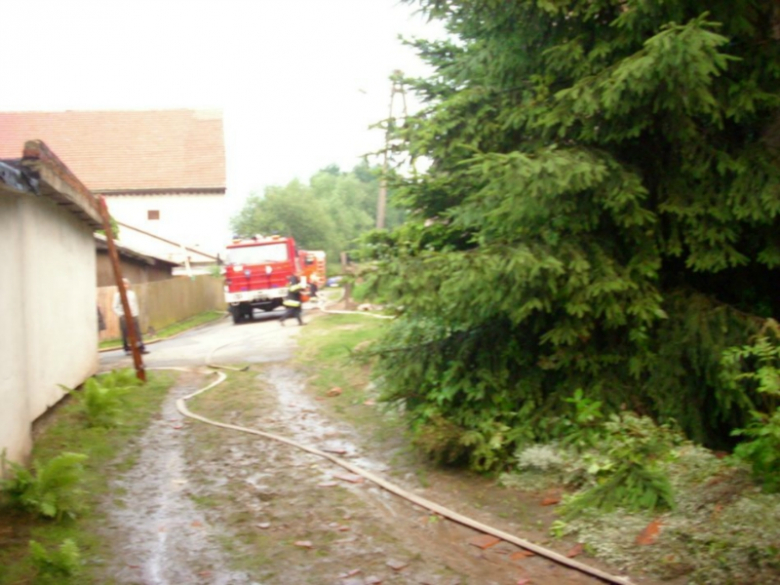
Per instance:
(205,505)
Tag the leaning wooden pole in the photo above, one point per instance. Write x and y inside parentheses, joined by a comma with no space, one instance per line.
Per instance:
(132,334)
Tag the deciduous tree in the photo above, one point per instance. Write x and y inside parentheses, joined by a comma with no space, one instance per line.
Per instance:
(328,214)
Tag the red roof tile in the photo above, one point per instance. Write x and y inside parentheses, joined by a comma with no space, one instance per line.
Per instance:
(126,150)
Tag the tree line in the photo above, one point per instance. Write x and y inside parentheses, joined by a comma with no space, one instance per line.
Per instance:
(329,213)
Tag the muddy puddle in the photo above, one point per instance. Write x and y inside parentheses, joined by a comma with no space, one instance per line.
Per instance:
(299,415)
(159,535)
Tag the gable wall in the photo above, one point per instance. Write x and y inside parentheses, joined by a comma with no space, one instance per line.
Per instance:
(198,221)
(14,420)
(48,312)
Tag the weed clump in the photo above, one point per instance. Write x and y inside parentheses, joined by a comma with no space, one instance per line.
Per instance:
(56,566)
(103,398)
(632,475)
(756,367)
(722,529)
(51,490)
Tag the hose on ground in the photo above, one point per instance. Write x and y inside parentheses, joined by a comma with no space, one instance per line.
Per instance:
(392,488)
(323,303)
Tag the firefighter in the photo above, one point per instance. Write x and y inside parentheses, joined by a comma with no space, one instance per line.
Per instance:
(314,286)
(293,301)
(132,300)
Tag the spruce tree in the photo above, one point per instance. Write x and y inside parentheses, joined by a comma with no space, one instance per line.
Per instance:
(600,212)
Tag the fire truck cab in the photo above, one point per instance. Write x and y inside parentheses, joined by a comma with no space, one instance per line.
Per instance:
(256,272)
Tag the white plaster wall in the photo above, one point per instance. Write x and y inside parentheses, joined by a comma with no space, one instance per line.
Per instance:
(47,312)
(198,221)
(14,424)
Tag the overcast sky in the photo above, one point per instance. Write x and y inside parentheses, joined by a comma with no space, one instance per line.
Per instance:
(299,81)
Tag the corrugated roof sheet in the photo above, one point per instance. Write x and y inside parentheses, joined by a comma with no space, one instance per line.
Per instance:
(127,150)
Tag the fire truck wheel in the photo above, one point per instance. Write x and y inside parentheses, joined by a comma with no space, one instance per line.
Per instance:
(238,314)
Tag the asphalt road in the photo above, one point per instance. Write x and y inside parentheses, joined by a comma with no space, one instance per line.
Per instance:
(221,342)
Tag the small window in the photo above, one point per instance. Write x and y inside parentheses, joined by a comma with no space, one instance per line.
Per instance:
(153,214)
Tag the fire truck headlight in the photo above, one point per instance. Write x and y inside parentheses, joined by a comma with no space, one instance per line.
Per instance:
(268,269)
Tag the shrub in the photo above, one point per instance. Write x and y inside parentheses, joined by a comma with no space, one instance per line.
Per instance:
(52,491)
(583,428)
(763,451)
(631,475)
(55,566)
(440,440)
(756,367)
(103,397)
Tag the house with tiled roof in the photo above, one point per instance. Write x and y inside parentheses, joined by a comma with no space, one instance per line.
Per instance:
(162,172)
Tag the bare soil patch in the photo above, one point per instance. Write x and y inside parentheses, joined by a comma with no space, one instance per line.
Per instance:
(158,534)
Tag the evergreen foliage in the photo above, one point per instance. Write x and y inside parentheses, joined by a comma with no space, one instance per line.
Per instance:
(600,212)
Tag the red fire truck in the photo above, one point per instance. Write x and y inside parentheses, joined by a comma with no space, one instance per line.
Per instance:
(256,273)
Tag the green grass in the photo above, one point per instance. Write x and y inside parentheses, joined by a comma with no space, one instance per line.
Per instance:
(194,321)
(65,430)
(335,353)
(331,353)
(174,329)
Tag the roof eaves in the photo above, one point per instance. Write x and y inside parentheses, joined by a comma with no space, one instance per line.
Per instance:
(164,191)
(124,250)
(59,184)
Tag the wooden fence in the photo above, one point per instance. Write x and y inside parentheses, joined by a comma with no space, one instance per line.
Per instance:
(164,302)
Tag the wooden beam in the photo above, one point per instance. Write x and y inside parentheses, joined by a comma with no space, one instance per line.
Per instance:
(132,334)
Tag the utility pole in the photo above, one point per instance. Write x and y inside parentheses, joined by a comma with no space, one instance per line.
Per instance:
(397,87)
(132,334)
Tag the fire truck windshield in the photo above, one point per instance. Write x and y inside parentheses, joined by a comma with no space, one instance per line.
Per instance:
(257,254)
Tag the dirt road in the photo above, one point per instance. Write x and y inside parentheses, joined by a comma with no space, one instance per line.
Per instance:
(208,505)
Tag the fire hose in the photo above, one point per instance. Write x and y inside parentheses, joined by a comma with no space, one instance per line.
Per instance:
(181,405)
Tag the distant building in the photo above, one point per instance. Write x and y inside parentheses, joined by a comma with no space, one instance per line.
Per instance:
(162,172)
(138,268)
